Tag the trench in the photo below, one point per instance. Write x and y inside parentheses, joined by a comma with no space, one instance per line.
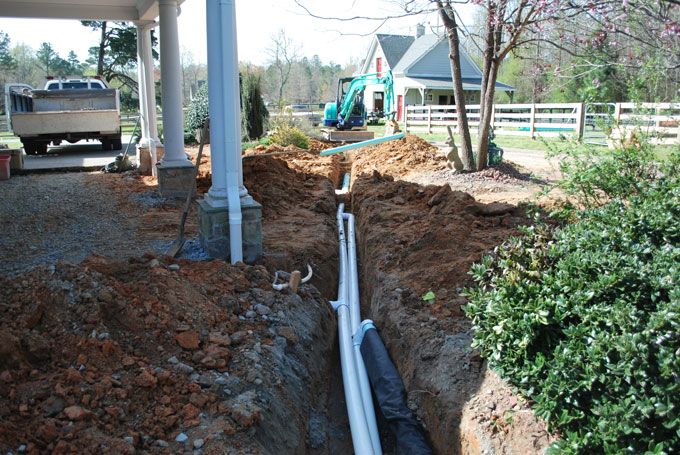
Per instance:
(411,239)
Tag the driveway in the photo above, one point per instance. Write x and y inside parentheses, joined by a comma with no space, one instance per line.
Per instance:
(82,155)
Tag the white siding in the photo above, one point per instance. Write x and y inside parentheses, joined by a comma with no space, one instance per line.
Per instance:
(370,89)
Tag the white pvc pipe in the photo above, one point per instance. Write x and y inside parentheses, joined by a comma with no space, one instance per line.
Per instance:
(361,438)
(355,322)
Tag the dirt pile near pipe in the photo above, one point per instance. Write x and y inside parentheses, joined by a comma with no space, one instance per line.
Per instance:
(306,161)
(398,158)
(415,239)
(158,356)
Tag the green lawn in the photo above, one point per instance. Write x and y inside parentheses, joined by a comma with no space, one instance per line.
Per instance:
(519,142)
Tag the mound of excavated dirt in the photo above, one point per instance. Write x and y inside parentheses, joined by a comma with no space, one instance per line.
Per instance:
(414,239)
(306,161)
(158,356)
(298,226)
(398,158)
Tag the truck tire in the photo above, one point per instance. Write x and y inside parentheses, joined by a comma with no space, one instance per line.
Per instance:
(117,143)
(106,144)
(30,147)
(41,148)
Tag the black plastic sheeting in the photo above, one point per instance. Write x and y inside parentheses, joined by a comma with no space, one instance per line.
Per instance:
(391,396)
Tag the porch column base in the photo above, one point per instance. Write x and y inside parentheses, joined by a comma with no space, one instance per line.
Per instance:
(175,181)
(144,159)
(213,230)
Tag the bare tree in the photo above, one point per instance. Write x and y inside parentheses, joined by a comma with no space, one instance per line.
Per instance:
(282,53)
(450,22)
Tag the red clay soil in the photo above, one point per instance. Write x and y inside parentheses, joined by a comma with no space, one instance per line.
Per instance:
(122,357)
(398,158)
(414,239)
(297,219)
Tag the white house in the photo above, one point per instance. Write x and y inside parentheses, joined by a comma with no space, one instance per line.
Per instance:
(421,69)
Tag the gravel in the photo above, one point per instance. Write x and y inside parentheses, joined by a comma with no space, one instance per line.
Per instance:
(67,216)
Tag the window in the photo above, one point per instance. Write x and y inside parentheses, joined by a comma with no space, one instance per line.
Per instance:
(378,65)
(428,97)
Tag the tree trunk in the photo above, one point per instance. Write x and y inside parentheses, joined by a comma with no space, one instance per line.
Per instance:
(102,50)
(449,22)
(486,106)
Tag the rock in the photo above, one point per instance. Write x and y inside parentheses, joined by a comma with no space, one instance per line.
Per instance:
(238,337)
(129,439)
(198,443)
(75,413)
(146,379)
(173,360)
(48,432)
(154,263)
(105,295)
(162,443)
(184,368)
(262,310)
(53,406)
(219,339)
(205,381)
(173,267)
(188,340)
(244,410)
(250,314)
(181,437)
(103,336)
(288,333)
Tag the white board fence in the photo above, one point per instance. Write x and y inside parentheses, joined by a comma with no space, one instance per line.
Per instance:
(660,120)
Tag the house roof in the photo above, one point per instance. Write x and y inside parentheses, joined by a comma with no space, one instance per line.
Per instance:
(417,50)
(394,46)
(447,84)
(426,59)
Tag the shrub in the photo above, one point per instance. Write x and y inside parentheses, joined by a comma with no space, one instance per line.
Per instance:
(198,111)
(285,134)
(253,111)
(585,319)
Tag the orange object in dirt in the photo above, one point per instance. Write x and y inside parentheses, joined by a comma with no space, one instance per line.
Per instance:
(4,167)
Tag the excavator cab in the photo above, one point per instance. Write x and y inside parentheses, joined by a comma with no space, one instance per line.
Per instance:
(357,116)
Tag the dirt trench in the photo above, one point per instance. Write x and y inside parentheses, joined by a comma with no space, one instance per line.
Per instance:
(413,239)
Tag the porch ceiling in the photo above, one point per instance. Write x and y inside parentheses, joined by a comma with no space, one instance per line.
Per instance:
(120,10)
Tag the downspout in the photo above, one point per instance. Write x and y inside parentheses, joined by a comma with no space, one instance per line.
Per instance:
(232,134)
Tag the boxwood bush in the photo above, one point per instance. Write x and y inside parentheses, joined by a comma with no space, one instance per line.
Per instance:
(585,319)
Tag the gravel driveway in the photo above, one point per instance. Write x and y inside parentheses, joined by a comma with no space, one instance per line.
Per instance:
(49,217)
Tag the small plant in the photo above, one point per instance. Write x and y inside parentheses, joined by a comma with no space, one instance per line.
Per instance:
(428,297)
(285,135)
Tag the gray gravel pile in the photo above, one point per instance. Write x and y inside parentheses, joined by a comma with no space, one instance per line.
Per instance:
(49,217)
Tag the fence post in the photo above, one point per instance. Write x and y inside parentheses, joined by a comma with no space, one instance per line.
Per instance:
(405,119)
(580,121)
(617,113)
(493,116)
(532,126)
(429,119)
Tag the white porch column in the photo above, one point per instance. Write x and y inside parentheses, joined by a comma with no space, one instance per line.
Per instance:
(149,83)
(141,87)
(230,221)
(173,119)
